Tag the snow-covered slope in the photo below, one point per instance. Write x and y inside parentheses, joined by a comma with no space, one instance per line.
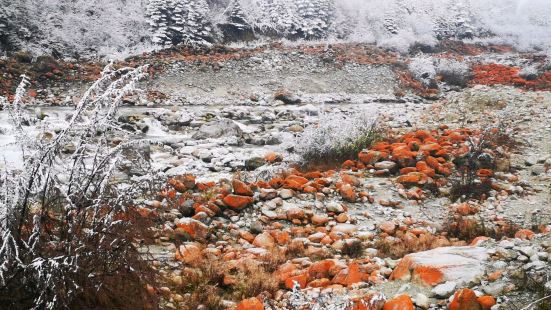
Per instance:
(111,28)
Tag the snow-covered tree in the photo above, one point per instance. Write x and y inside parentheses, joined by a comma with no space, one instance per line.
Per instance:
(315,17)
(180,21)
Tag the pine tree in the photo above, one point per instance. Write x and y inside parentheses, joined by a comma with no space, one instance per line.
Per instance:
(315,17)
(283,16)
(179,21)
(159,15)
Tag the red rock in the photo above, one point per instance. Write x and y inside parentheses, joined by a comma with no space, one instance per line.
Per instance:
(240,188)
(407,170)
(294,182)
(194,228)
(388,227)
(524,234)
(349,276)
(250,304)
(427,275)
(264,240)
(401,302)
(465,299)
(342,218)
(486,302)
(323,282)
(495,275)
(188,252)
(273,157)
(350,179)
(321,269)
(301,280)
(484,173)
(347,193)
(237,202)
(319,220)
(417,178)
(369,157)
(295,213)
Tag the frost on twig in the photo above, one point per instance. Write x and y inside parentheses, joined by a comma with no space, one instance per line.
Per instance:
(61,214)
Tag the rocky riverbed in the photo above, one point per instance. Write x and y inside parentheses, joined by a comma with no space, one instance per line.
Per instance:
(239,218)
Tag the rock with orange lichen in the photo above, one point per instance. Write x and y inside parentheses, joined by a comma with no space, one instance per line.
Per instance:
(524,234)
(349,276)
(240,188)
(294,182)
(413,178)
(400,302)
(486,302)
(461,264)
(237,202)
(188,252)
(250,304)
(194,228)
(300,280)
(347,193)
(465,299)
(370,157)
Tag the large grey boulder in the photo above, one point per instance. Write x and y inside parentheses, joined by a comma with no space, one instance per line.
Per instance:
(217,129)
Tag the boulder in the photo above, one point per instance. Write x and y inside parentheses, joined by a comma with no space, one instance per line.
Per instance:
(461,264)
(217,129)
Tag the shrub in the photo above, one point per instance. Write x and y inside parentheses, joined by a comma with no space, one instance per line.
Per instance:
(529,73)
(454,72)
(67,231)
(337,137)
(423,70)
(485,152)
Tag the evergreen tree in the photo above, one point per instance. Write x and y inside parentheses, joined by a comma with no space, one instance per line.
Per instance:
(315,17)
(179,21)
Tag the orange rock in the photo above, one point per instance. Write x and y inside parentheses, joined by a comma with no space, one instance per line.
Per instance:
(466,209)
(407,170)
(323,282)
(478,239)
(250,304)
(246,235)
(281,237)
(524,234)
(388,227)
(350,179)
(237,202)
(484,173)
(422,134)
(433,162)
(369,157)
(347,193)
(348,164)
(349,276)
(294,182)
(273,157)
(430,147)
(428,275)
(321,269)
(486,302)
(301,280)
(495,275)
(465,299)
(188,253)
(194,228)
(276,182)
(413,178)
(401,302)
(240,188)
(264,240)
(319,220)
